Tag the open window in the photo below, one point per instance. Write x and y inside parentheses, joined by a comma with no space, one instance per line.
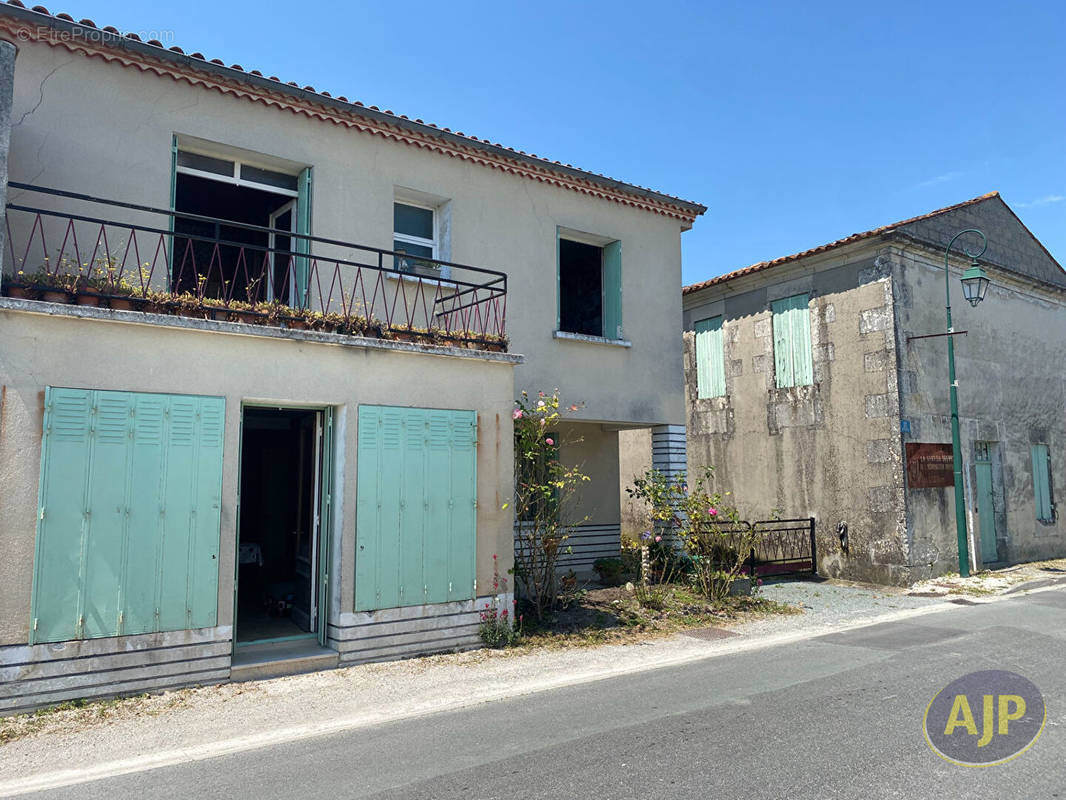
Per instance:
(590,286)
(255,257)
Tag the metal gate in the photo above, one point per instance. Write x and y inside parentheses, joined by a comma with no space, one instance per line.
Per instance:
(783,547)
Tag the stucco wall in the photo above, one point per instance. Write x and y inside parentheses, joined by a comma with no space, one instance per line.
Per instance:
(87,126)
(831,450)
(41,350)
(1012,391)
(634,459)
(594,452)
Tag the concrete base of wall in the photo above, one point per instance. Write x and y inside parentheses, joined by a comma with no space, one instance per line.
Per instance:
(33,676)
(394,633)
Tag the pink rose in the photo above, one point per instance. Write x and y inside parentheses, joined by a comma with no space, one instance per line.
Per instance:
(658,538)
(517,414)
(550,442)
(713,512)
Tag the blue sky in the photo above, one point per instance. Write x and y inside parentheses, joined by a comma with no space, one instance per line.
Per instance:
(795,123)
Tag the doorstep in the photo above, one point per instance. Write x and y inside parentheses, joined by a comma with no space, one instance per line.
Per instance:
(274,659)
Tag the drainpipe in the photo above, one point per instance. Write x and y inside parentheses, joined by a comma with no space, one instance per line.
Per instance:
(8,51)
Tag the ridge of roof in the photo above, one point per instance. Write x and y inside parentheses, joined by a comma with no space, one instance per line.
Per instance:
(855,237)
(111,36)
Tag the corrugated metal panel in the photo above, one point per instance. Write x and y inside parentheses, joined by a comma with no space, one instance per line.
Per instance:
(416,512)
(134,547)
(710,358)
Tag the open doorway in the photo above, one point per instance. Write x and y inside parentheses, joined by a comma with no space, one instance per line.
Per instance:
(280,553)
(234,262)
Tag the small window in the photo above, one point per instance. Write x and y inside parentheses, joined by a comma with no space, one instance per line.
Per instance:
(202,163)
(792,341)
(710,358)
(269,177)
(590,288)
(1042,487)
(414,234)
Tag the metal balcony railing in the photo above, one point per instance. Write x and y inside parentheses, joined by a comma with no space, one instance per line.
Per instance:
(131,255)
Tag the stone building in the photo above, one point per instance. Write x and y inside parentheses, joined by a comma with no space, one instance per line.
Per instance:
(809,393)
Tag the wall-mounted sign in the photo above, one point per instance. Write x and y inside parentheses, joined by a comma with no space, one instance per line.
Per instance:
(904,426)
(930,465)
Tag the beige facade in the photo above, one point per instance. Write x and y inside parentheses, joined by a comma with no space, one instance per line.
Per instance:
(498,220)
(166,359)
(835,449)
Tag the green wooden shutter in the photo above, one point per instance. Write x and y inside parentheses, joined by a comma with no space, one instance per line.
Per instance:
(792,341)
(782,322)
(710,358)
(302,262)
(130,507)
(802,366)
(612,290)
(416,525)
(1042,482)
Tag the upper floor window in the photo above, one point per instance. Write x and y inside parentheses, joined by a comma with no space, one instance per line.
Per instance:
(414,233)
(590,287)
(710,358)
(1042,492)
(792,341)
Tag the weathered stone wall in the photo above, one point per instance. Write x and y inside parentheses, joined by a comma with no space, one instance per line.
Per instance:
(830,450)
(1012,393)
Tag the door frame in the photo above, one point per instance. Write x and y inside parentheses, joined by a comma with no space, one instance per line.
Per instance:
(290,208)
(326,450)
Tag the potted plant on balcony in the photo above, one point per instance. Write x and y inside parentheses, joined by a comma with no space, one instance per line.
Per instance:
(20,287)
(55,288)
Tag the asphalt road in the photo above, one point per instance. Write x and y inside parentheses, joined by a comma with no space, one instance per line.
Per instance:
(835,716)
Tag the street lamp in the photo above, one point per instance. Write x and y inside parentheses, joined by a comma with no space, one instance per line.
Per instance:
(974,285)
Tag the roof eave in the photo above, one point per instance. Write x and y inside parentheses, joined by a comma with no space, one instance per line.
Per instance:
(228,73)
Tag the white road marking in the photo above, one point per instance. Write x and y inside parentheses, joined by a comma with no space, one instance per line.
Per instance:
(182,755)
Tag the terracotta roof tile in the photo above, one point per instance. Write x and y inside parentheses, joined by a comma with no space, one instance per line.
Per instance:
(693,209)
(855,237)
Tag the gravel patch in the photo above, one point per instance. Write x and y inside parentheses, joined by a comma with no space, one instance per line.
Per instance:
(829,604)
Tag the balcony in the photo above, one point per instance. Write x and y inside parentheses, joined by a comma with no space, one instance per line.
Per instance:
(73,248)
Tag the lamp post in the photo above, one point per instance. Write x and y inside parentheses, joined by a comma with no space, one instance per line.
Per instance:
(974,284)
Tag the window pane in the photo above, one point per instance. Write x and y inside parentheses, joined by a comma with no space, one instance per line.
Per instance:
(219,166)
(580,288)
(412,249)
(268,177)
(412,221)
(413,260)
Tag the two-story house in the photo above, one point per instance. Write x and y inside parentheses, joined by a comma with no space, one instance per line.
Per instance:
(817,385)
(259,350)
